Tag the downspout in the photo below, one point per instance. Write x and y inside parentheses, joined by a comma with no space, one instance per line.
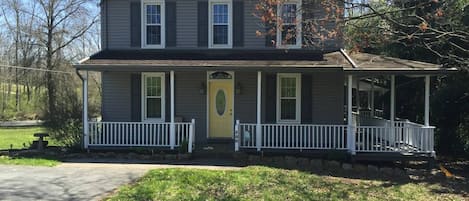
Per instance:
(85,107)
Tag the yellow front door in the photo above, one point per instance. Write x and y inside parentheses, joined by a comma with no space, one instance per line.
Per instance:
(220,108)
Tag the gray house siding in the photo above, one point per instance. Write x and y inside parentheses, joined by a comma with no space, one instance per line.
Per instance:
(186,24)
(246,101)
(328,98)
(116,96)
(252,24)
(103,18)
(116,25)
(189,103)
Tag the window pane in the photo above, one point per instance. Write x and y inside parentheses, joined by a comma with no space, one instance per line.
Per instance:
(288,109)
(220,34)
(220,13)
(154,35)
(153,14)
(289,13)
(289,35)
(220,102)
(153,86)
(153,107)
(288,87)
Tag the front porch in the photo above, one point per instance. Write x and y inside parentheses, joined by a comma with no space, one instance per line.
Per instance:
(281,108)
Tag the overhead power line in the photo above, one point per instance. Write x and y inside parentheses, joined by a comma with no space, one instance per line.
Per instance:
(36,69)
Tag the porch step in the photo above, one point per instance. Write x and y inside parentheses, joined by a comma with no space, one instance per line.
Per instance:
(214,150)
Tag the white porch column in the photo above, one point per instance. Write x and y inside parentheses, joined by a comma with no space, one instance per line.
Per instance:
(372,99)
(358,95)
(427,100)
(259,98)
(350,128)
(85,111)
(172,134)
(392,109)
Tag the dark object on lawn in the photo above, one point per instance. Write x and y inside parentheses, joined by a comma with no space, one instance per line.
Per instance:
(40,144)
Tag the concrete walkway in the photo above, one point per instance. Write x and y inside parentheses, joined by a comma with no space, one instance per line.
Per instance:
(75,181)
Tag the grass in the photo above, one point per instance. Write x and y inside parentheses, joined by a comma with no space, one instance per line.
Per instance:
(33,161)
(19,137)
(263,183)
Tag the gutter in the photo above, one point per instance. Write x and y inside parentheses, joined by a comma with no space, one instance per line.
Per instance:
(349,59)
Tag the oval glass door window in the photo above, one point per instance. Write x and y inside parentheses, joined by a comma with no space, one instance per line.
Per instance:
(220,102)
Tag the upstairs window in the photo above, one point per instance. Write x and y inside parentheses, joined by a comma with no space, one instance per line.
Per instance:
(220,24)
(153,21)
(289,29)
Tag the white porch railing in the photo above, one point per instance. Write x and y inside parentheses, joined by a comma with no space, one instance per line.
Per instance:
(298,136)
(140,134)
(403,137)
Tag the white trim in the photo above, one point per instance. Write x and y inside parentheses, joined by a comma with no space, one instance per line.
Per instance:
(230,23)
(144,24)
(232,73)
(297,76)
(143,97)
(299,19)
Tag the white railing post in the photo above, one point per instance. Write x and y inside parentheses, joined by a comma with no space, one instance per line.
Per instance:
(191,135)
(85,111)
(237,136)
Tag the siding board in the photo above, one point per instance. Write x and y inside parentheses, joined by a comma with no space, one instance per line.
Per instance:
(119,24)
(190,104)
(245,105)
(116,96)
(328,98)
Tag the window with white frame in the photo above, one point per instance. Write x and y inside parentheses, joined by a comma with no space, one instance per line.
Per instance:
(289,29)
(289,98)
(153,99)
(220,24)
(153,24)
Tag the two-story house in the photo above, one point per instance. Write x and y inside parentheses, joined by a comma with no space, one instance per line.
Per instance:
(185,72)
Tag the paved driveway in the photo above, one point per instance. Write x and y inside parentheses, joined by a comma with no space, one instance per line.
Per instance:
(72,181)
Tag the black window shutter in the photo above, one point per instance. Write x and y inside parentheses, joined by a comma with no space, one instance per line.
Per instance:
(238,24)
(136,97)
(167,98)
(135,24)
(202,24)
(170,24)
(306,98)
(271,98)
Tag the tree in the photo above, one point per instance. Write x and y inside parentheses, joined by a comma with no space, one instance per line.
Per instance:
(60,23)
(439,27)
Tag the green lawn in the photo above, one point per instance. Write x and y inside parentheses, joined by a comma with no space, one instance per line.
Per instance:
(32,161)
(17,136)
(262,183)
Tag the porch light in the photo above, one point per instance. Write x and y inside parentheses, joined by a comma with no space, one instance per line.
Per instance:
(238,88)
(203,88)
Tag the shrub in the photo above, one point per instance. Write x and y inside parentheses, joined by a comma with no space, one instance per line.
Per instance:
(68,133)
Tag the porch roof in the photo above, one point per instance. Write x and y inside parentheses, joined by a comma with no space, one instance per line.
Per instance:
(239,59)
